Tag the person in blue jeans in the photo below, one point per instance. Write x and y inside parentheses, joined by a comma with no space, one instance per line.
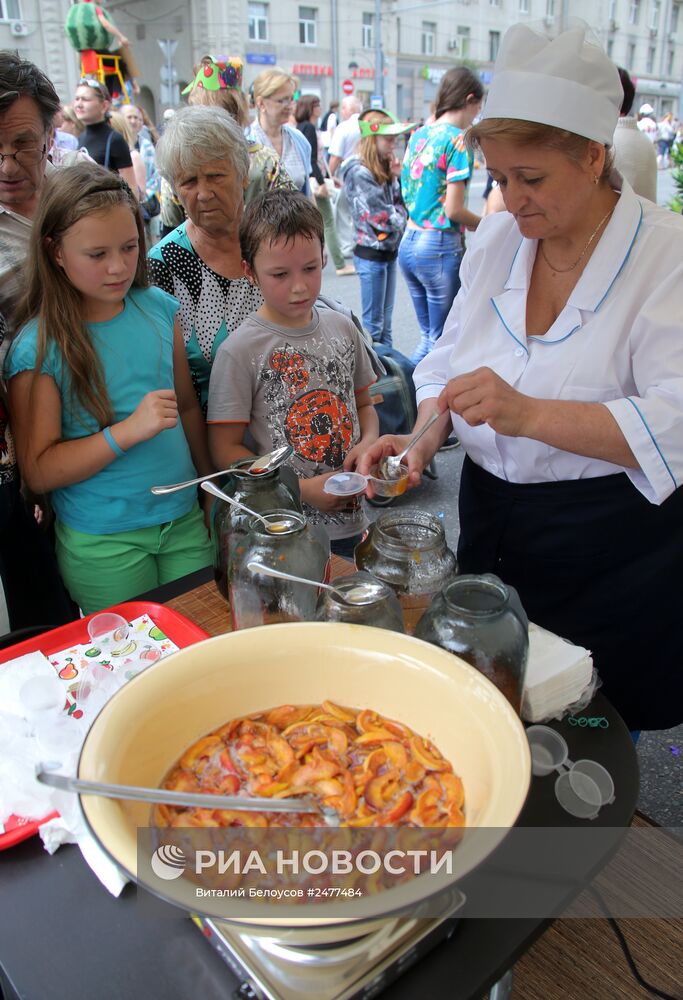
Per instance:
(379,216)
(436,168)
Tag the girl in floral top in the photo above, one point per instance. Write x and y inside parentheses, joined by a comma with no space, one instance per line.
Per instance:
(379,217)
(435,171)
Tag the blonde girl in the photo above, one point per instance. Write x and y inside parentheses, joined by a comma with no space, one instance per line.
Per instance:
(374,194)
(102,397)
(120,125)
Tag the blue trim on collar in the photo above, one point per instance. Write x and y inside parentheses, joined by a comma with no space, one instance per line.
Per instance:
(513,262)
(654,440)
(543,339)
(507,328)
(623,263)
(426,385)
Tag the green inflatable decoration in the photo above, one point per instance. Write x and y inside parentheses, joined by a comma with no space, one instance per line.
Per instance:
(84,30)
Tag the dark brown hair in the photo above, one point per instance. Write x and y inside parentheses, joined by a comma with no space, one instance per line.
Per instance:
(70,194)
(304,107)
(457,84)
(276,215)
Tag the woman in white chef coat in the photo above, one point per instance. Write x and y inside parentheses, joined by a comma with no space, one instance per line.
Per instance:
(561,371)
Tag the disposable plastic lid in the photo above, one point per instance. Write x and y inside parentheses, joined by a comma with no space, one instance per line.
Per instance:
(345,484)
(584,771)
(583,800)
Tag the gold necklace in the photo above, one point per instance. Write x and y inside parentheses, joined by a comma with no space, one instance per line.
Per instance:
(564,270)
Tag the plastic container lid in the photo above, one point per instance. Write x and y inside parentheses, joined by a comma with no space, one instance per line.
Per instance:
(581,788)
(345,484)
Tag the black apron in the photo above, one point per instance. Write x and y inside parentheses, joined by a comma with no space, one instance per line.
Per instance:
(597,563)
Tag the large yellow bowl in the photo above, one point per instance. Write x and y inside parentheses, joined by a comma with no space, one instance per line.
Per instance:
(145,728)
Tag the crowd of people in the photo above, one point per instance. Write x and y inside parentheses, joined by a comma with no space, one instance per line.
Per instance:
(161,317)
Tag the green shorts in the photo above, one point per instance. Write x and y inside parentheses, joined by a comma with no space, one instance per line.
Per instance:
(101,570)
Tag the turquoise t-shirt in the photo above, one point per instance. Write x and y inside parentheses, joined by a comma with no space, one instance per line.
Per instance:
(136,351)
(436,156)
(211,306)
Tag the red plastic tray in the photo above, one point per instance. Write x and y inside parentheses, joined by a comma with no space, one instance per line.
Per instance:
(177,627)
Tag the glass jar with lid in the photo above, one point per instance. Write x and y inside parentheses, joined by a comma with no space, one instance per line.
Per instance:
(288,544)
(362,600)
(482,620)
(275,490)
(407,550)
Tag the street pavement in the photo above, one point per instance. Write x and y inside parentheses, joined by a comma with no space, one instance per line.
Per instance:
(661,793)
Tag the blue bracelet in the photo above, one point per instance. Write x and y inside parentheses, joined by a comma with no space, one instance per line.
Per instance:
(109,438)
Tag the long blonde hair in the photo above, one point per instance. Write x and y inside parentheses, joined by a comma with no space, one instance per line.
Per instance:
(368,153)
(70,194)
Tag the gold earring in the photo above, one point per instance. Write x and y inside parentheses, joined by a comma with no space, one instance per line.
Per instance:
(596,179)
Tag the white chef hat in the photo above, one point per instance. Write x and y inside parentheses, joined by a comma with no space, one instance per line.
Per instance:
(567,82)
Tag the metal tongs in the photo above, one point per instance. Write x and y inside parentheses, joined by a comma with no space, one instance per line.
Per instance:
(200,800)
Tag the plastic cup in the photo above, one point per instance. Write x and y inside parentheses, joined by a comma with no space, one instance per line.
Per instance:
(347,484)
(108,622)
(549,750)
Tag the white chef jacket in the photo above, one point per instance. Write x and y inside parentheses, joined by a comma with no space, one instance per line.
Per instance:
(618,340)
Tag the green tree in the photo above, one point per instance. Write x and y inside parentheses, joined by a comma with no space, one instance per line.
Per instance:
(676,203)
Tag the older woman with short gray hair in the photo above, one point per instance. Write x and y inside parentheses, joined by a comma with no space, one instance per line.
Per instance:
(204,156)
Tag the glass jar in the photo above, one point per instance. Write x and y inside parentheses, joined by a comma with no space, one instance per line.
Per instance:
(407,549)
(381,609)
(298,548)
(276,490)
(481,619)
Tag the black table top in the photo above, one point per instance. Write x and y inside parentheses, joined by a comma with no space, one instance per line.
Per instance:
(65,938)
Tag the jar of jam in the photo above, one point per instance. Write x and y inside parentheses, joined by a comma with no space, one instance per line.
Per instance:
(287,543)
(407,550)
(361,600)
(275,490)
(482,620)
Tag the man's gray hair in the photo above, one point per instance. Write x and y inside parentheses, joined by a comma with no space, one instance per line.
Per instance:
(197,135)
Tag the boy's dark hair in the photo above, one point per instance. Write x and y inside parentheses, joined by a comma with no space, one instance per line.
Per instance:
(20,78)
(275,215)
(628,88)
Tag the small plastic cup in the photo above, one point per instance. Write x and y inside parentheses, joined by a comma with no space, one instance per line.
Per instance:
(108,622)
(549,750)
(347,484)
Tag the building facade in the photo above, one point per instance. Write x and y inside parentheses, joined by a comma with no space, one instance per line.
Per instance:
(331,46)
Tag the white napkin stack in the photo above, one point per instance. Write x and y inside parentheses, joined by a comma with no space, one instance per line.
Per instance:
(557,674)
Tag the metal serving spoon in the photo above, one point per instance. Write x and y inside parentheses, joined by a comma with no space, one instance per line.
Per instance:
(390,467)
(273,525)
(270,461)
(359,593)
(199,800)
(259,467)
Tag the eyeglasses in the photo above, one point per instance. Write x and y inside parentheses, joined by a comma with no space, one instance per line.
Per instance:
(282,101)
(24,157)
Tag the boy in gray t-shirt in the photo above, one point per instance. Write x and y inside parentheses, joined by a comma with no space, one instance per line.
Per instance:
(294,373)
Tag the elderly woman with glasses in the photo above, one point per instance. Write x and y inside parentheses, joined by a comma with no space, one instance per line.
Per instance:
(204,156)
(274,102)
(560,368)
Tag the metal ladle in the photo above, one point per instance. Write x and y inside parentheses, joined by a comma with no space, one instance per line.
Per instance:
(198,800)
(360,593)
(390,467)
(211,488)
